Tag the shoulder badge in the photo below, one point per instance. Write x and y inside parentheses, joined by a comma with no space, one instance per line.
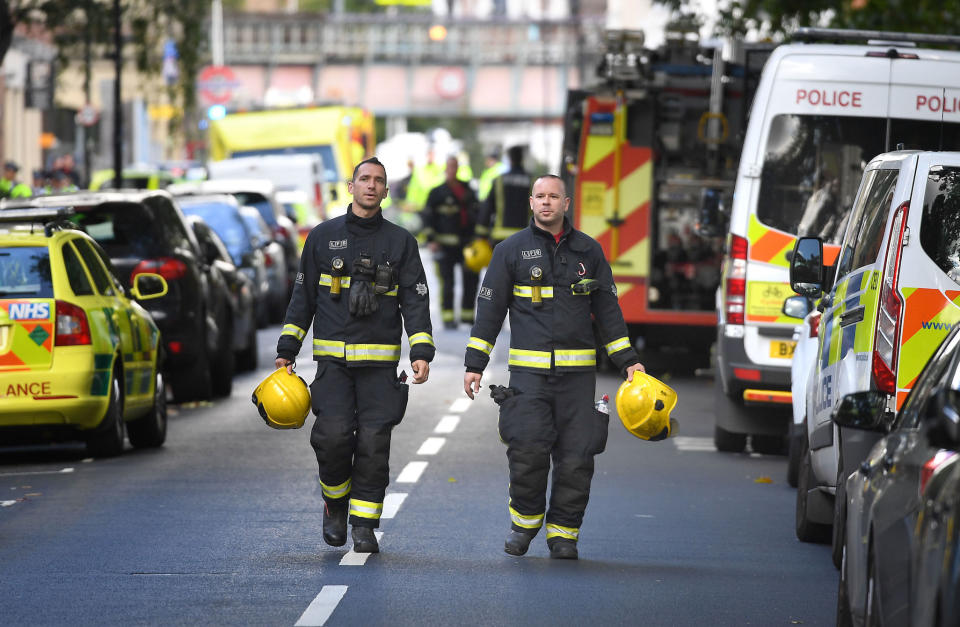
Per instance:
(421,289)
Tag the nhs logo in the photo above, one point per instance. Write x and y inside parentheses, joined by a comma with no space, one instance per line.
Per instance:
(29,311)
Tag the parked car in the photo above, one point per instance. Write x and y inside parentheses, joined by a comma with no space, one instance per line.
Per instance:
(260,194)
(223,215)
(884,314)
(883,496)
(275,261)
(240,293)
(144,231)
(79,358)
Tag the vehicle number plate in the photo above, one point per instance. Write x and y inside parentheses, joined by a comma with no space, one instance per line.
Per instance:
(782,350)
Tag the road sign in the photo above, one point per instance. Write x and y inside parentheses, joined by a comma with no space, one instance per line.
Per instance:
(87,116)
(216,84)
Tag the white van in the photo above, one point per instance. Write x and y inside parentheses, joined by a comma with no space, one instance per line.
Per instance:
(821,112)
(300,172)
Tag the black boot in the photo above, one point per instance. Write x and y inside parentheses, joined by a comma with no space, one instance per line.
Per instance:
(364,541)
(335,524)
(517,542)
(563,550)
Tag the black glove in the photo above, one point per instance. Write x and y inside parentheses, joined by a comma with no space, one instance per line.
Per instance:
(501,393)
(363,301)
(585,286)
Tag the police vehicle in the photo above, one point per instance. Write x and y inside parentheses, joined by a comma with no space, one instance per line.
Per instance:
(79,359)
(895,296)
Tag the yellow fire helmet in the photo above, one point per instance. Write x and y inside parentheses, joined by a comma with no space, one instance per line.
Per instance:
(644,407)
(283,400)
(477,254)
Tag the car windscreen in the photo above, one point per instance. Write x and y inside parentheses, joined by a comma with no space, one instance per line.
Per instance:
(260,203)
(813,165)
(225,220)
(940,223)
(324,151)
(122,229)
(25,272)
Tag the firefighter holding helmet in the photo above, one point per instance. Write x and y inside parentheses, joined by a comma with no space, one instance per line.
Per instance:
(552,279)
(360,281)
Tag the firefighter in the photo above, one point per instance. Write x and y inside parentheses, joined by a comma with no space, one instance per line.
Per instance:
(552,279)
(359,275)
(9,187)
(449,220)
(493,169)
(505,210)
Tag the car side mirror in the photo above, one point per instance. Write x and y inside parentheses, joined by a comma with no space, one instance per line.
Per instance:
(866,411)
(210,252)
(713,221)
(796,307)
(806,267)
(148,285)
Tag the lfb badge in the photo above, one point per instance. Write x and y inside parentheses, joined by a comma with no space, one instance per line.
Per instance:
(421,289)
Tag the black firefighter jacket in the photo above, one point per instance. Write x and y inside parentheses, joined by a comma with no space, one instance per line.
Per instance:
(447,220)
(572,281)
(372,340)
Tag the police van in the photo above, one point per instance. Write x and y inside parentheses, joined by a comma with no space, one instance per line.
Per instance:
(823,109)
(895,296)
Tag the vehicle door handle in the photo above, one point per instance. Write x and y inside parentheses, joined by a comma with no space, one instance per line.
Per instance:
(865,468)
(852,316)
(888,462)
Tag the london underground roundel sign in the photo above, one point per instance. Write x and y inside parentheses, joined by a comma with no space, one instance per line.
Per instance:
(216,84)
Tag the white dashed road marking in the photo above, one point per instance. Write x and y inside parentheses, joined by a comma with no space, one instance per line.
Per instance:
(447,424)
(392,503)
(7,503)
(322,606)
(358,559)
(62,471)
(694,444)
(431,446)
(411,472)
(460,405)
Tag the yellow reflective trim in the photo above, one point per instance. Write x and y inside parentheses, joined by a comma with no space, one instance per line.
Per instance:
(575,357)
(294,330)
(326,280)
(527,521)
(526,291)
(558,531)
(365,509)
(328,348)
(421,338)
(531,359)
(336,491)
(373,352)
(446,239)
(479,344)
(618,344)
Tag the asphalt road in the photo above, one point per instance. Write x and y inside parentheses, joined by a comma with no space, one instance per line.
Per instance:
(223,526)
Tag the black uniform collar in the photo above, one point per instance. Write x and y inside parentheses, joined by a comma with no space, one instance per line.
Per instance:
(574,238)
(567,229)
(355,222)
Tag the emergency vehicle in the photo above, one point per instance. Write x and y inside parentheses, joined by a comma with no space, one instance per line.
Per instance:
(79,359)
(823,109)
(895,297)
(660,132)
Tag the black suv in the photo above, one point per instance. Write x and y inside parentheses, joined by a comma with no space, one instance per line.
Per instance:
(145,231)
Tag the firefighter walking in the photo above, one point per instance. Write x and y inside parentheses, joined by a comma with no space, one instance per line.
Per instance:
(360,279)
(506,208)
(551,279)
(449,220)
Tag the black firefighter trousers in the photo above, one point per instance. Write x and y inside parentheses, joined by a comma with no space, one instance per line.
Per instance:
(551,417)
(447,259)
(356,409)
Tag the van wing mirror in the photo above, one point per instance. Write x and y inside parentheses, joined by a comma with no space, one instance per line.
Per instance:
(866,411)
(806,267)
(713,220)
(796,307)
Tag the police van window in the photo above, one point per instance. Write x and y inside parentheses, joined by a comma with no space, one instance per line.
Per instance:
(25,273)
(76,276)
(940,223)
(872,225)
(100,277)
(811,170)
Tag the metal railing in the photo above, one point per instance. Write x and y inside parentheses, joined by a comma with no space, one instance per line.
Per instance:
(405,39)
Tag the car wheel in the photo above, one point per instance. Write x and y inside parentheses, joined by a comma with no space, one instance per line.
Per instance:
(727,441)
(222,368)
(107,439)
(767,444)
(247,358)
(839,521)
(844,619)
(807,530)
(151,430)
(793,453)
(194,383)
